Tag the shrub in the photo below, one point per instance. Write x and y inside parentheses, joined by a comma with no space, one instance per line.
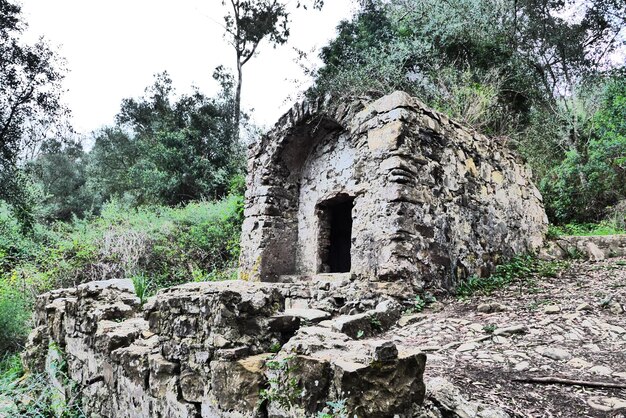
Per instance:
(14,315)
(199,241)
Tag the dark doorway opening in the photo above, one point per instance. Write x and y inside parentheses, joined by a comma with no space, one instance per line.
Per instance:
(337,215)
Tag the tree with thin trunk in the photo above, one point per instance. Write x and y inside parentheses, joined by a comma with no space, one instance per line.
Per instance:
(249,22)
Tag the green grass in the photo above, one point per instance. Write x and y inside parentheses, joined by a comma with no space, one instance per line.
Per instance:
(168,245)
(586,229)
(521,270)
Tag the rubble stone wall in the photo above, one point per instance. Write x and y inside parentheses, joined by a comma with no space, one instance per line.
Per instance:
(227,349)
(434,202)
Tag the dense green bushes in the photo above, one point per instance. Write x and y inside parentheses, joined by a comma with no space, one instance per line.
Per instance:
(14,314)
(592,177)
(163,245)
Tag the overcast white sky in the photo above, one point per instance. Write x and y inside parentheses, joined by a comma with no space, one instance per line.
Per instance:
(114,47)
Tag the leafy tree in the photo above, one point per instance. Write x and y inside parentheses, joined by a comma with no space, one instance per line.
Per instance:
(60,173)
(167,151)
(249,22)
(571,196)
(30,88)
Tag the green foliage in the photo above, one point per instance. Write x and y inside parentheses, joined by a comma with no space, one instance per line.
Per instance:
(142,286)
(166,152)
(31,395)
(521,270)
(586,229)
(15,310)
(490,328)
(167,245)
(510,68)
(591,177)
(59,172)
(419,304)
(283,387)
(30,108)
(335,409)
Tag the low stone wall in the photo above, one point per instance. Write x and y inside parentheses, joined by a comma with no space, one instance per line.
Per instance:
(227,349)
(594,248)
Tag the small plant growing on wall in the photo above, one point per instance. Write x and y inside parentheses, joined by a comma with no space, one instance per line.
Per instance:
(143,286)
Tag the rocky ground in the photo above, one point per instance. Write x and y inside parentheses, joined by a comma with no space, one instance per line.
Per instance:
(571,327)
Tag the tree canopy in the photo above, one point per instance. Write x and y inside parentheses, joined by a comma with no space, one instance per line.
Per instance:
(165,150)
(30,106)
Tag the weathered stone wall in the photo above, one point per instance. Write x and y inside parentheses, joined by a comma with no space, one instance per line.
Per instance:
(433,201)
(227,349)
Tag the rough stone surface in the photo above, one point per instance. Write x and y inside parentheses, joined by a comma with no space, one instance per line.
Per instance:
(433,202)
(594,248)
(225,349)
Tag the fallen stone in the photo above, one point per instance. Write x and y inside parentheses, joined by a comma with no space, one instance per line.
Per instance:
(468,347)
(606,404)
(579,363)
(615,308)
(500,339)
(522,366)
(601,370)
(594,252)
(383,317)
(512,330)
(477,327)
(552,309)
(584,307)
(452,403)
(383,350)
(554,353)
(491,307)
(613,328)
(407,320)
(308,315)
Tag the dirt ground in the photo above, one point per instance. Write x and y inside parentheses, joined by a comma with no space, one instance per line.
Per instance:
(572,326)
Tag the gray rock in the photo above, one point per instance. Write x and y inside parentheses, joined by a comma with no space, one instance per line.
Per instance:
(555,353)
(491,307)
(606,404)
(552,309)
(453,403)
(601,370)
(511,330)
(308,315)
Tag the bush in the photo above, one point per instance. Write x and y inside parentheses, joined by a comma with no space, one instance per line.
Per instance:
(14,314)
(591,178)
(166,245)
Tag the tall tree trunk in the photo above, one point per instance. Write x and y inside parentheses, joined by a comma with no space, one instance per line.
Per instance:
(237,110)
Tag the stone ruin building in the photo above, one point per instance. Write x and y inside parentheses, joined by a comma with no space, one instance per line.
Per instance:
(391,192)
(352,208)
